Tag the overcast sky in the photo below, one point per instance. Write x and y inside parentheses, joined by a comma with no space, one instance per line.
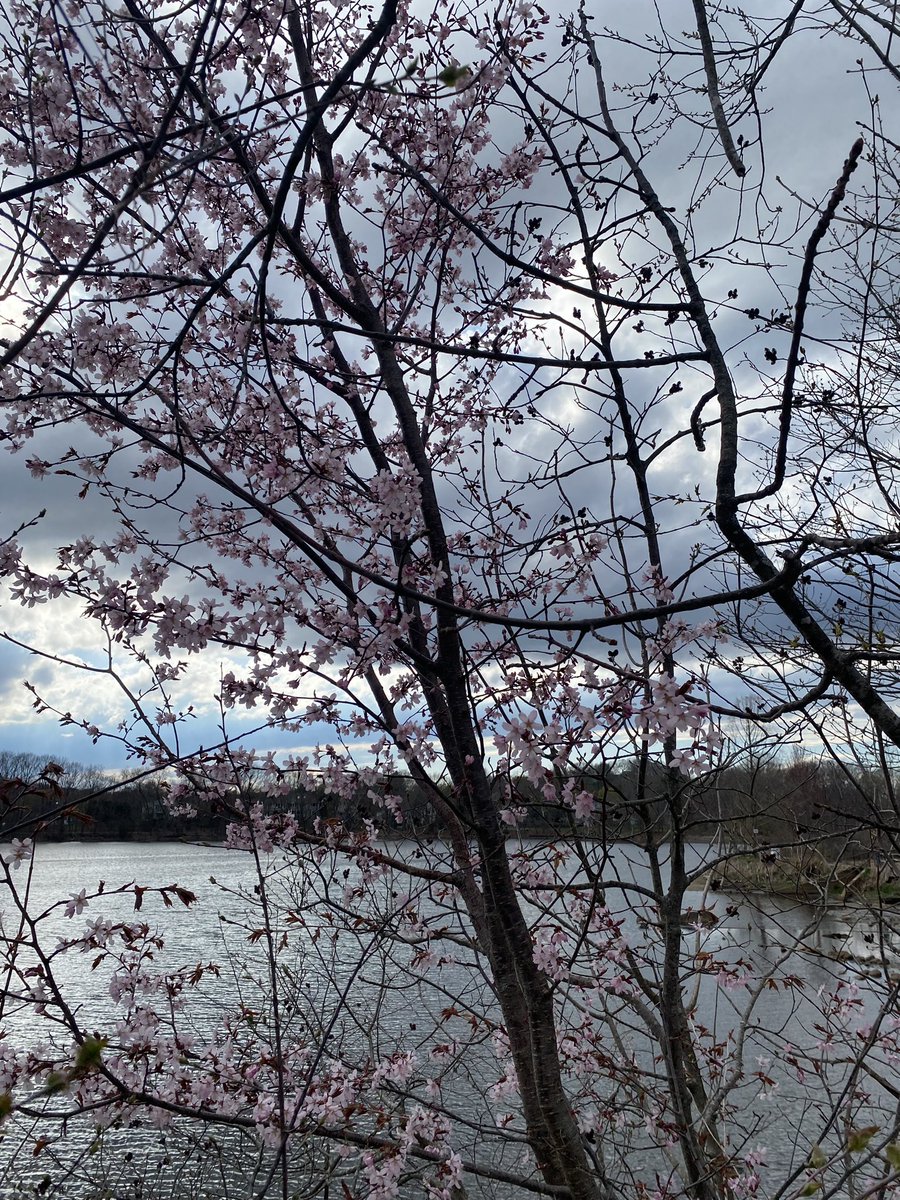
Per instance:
(815,99)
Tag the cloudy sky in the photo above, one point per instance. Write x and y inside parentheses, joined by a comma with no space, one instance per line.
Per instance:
(814,101)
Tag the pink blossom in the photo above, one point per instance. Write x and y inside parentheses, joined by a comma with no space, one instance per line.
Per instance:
(77,903)
(22,851)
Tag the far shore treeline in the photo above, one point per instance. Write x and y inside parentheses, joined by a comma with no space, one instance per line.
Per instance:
(749,804)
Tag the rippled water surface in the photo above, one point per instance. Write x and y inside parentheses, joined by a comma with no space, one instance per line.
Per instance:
(369,1009)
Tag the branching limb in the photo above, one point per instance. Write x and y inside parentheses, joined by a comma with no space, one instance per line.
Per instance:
(712,87)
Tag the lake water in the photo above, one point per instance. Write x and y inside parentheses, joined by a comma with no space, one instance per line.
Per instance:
(365,1001)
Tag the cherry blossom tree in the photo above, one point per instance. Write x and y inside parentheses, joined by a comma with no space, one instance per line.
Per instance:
(465,387)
